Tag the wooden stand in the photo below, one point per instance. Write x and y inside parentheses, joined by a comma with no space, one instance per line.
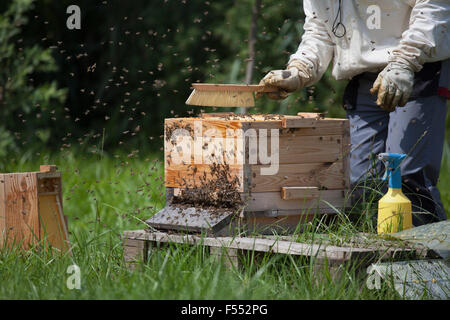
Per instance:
(230,250)
(31,209)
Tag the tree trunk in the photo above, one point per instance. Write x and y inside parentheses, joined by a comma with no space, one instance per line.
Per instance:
(251,45)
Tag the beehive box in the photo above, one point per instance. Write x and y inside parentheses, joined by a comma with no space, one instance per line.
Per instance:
(281,166)
(31,211)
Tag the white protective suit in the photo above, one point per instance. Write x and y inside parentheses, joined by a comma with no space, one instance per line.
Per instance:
(377,32)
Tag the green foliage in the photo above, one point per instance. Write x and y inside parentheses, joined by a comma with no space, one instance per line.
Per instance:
(146,55)
(105,196)
(19,95)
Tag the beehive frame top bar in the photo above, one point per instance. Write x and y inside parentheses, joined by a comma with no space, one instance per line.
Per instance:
(301,120)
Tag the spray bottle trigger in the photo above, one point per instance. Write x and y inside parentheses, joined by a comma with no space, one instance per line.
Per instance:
(386,173)
(383,157)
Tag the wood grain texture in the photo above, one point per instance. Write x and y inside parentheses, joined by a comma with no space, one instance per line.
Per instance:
(182,176)
(233,87)
(177,143)
(211,124)
(28,202)
(319,250)
(22,216)
(299,193)
(266,201)
(262,201)
(53,222)
(229,257)
(64,221)
(228,121)
(309,149)
(324,253)
(333,128)
(204,141)
(216,114)
(334,175)
(53,229)
(292,148)
(346,154)
(198,127)
(207,98)
(303,122)
(48,168)
(313,131)
(280,224)
(314,115)
(321,175)
(134,251)
(266,120)
(41,175)
(311,154)
(2,210)
(207,149)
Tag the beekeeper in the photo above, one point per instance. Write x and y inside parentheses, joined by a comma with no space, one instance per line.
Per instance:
(394,52)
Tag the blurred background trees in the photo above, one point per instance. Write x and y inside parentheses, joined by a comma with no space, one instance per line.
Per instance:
(110,85)
(20,95)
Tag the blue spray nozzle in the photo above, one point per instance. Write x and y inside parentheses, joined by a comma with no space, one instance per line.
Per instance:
(392,162)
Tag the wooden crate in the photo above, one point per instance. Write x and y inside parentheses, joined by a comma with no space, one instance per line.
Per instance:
(312,176)
(31,209)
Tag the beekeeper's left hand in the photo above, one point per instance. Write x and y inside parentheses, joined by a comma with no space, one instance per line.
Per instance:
(393,86)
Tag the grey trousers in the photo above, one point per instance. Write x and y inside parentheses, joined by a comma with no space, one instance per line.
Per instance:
(418,130)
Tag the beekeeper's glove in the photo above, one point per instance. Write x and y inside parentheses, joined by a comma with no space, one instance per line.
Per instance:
(286,81)
(393,86)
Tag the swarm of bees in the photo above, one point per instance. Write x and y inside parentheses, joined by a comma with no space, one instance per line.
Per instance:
(218,188)
(126,87)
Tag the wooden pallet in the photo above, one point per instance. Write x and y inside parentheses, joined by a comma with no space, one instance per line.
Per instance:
(230,249)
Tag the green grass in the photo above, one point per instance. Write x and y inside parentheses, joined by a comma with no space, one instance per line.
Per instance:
(103,196)
(444,179)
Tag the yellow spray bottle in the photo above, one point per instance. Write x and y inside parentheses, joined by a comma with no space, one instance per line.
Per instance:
(394,209)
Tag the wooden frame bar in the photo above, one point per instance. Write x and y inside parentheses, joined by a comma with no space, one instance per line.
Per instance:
(228,249)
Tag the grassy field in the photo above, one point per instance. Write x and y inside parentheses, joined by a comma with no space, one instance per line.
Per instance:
(103,196)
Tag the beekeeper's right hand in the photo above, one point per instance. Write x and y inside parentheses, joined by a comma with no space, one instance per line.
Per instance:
(286,81)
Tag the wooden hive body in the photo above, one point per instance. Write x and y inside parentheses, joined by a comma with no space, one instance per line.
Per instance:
(31,209)
(310,175)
